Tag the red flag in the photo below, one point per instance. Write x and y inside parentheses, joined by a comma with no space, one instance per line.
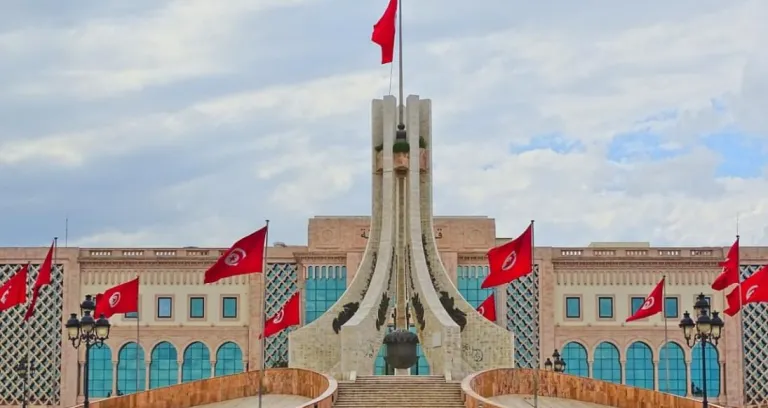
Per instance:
(730,273)
(384,32)
(120,299)
(43,278)
(14,292)
(289,315)
(510,261)
(246,256)
(754,289)
(653,304)
(488,308)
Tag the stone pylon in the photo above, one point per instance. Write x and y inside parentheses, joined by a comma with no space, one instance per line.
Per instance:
(401,269)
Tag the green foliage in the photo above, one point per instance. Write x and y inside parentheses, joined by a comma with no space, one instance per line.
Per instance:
(401,147)
(379,147)
(422,142)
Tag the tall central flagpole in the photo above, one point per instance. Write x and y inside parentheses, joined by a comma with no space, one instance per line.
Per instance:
(263,314)
(538,358)
(400,60)
(741,322)
(664,316)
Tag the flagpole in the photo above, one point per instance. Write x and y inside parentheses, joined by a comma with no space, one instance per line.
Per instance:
(400,60)
(664,316)
(538,358)
(741,319)
(138,343)
(263,313)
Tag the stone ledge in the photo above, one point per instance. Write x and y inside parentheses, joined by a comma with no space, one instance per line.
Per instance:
(479,387)
(321,389)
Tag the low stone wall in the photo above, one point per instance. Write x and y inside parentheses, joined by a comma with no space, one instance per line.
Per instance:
(478,387)
(291,381)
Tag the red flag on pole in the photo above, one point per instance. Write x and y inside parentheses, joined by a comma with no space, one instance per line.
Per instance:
(289,315)
(244,257)
(43,278)
(488,308)
(14,292)
(754,289)
(384,32)
(653,304)
(510,261)
(730,273)
(120,299)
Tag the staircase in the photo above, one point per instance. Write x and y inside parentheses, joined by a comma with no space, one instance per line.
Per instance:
(411,391)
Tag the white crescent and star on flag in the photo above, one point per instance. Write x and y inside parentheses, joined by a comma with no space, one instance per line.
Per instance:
(509,261)
(751,291)
(649,302)
(235,256)
(279,316)
(114,299)
(4,298)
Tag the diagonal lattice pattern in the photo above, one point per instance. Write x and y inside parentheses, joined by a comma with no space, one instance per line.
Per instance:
(755,346)
(282,282)
(43,345)
(523,318)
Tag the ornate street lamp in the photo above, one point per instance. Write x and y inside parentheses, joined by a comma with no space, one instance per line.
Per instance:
(705,330)
(557,364)
(23,369)
(89,332)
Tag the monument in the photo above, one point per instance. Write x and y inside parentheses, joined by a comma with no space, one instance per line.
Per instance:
(401,274)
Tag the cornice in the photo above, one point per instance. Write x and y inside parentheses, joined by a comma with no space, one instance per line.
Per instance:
(320,257)
(623,263)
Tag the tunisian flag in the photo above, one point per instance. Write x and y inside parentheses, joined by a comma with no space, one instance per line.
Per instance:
(289,315)
(488,308)
(14,292)
(43,278)
(754,289)
(246,256)
(384,32)
(653,304)
(510,261)
(121,299)
(730,273)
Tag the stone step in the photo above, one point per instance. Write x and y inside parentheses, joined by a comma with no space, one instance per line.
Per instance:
(399,391)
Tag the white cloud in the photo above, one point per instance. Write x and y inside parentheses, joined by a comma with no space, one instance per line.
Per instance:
(492,89)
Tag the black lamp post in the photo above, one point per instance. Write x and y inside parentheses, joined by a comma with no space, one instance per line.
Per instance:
(23,368)
(88,331)
(557,364)
(707,330)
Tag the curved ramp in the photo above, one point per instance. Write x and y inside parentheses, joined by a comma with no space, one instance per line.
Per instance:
(526,401)
(268,401)
(318,345)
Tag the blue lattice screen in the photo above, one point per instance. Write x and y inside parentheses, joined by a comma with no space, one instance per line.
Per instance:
(282,282)
(523,318)
(755,346)
(41,341)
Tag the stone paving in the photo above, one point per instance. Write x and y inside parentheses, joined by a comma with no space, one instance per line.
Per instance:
(268,401)
(526,401)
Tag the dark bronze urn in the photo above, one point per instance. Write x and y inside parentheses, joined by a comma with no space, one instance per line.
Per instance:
(401,348)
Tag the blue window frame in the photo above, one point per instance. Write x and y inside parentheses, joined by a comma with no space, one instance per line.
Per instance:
(672,362)
(639,370)
(197,363)
(164,307)
(605,307)
(323,287)
(197,307)
(131,315)
(229,359)
(671,307)
(131,369)
(637,303)
(607,366)
(100,372)
(469,279)
(229,307)
(572,307)
(575,357)
(713,371)
(164,367)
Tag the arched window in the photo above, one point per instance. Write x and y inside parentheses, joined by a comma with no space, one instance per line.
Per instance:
(672,361)
(100,371)
(575,357)
(639,368)
(131,369)
(713,371)
(229,359)
(197,362)
(607,365)
(164,367)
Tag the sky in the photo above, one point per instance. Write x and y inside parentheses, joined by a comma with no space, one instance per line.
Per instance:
(172,123)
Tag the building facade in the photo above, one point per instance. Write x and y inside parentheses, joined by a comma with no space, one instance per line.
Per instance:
(576,301)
